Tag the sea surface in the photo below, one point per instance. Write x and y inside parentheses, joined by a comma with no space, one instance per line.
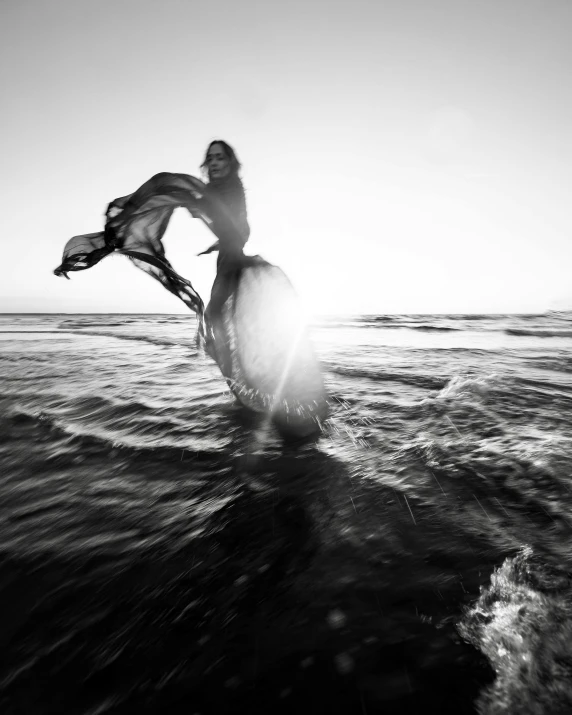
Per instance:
(163,551)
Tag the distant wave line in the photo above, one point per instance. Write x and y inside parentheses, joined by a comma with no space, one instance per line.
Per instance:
(529,332)
(140,338)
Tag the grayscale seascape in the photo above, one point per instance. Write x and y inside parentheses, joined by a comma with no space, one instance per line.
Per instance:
(161,550)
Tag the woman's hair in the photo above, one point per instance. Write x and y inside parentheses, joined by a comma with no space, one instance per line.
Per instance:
(230,155)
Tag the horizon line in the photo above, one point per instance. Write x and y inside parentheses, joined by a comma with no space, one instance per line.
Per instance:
(320,315)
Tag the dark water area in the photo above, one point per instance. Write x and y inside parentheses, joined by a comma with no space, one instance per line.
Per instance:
(163,551)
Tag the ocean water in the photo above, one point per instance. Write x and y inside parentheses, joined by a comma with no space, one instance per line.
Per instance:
(162,551)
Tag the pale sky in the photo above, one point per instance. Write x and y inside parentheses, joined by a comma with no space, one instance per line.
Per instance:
(398,156)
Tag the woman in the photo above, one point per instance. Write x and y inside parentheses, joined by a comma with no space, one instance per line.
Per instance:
(275,371)
(135,225)
(224,203)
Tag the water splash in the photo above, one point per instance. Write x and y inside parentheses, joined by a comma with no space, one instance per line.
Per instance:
(523,624)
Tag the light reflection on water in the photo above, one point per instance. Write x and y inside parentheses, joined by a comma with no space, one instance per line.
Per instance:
(133,487)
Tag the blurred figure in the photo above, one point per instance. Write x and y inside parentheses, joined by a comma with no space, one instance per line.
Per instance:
(225,204)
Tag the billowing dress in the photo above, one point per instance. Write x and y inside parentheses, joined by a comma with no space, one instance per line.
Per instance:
(252,327)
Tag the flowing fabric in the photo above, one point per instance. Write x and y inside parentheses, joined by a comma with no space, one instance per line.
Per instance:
(135,225)
(273,368)
(262,351)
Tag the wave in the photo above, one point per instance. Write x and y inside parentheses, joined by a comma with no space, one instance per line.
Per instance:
(67,324)
(539,333)
(147,320)
(377,324)
(470,436)
(71,442)
(393,321)
(425,381)
(475,317)
(461,387)
(523,625)
(548,388)
(379,318)
(409,326)
(30,330)
(138,338)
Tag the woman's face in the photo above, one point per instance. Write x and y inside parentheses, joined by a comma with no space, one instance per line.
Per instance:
(218,164)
